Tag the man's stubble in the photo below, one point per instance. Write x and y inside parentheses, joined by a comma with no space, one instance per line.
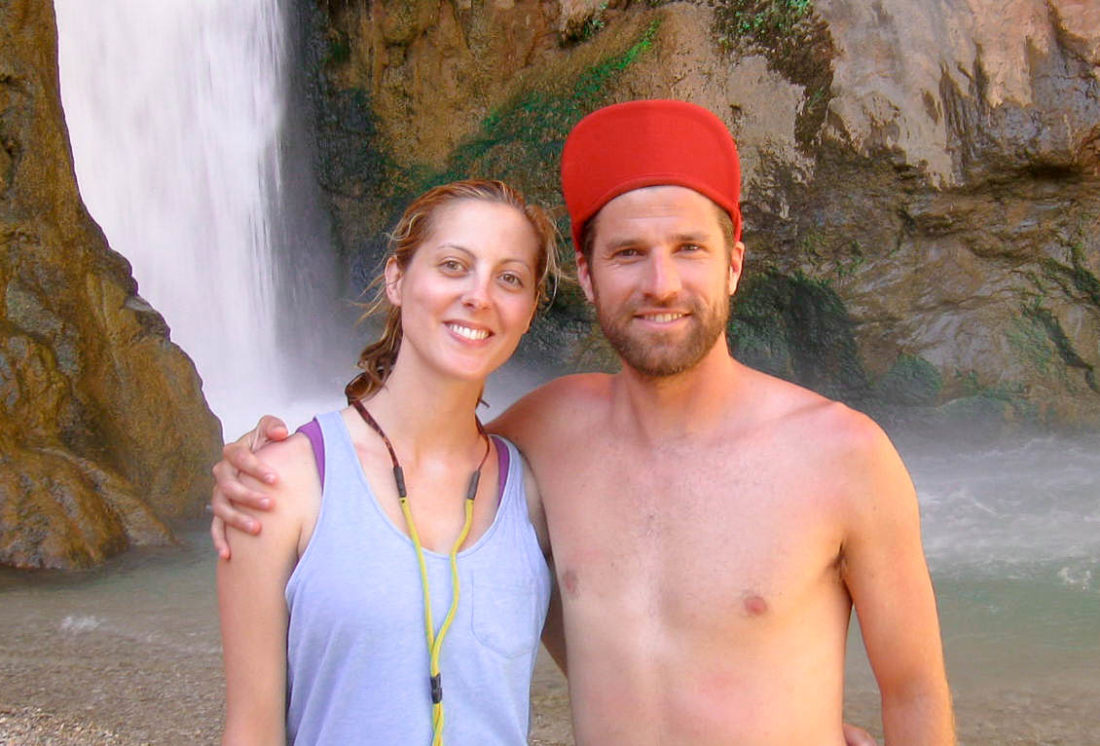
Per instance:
(659,355)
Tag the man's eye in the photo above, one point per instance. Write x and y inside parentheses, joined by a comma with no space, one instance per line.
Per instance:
(691,247)
(627,253)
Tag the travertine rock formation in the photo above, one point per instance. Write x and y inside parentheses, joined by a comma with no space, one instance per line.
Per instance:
(104,434)
(934,168)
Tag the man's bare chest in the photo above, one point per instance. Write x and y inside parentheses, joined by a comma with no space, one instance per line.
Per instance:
(673,532)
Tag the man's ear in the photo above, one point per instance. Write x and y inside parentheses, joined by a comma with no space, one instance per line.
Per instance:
(737,264)
(394,275)
(584,277)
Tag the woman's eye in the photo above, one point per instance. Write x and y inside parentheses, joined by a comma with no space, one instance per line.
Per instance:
(510,278)
(451,265)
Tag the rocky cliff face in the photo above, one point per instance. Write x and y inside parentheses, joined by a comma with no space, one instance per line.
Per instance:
(922,180)
(103,428)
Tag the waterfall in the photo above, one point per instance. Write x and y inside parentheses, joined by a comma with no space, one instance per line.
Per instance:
(177,113)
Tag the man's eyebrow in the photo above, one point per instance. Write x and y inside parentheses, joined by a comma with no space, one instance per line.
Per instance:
(691,237)
(622,243)
(696,237)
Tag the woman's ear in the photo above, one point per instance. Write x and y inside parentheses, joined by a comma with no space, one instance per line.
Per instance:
(394,275)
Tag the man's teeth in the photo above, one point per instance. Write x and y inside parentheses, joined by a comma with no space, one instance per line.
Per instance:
(664,318)
(467,332)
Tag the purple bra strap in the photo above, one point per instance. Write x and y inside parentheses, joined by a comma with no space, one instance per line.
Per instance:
(312,430)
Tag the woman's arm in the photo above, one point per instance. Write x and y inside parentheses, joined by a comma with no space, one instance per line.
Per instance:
(254,616)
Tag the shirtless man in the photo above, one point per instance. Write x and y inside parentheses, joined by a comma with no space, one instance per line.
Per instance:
(712,526)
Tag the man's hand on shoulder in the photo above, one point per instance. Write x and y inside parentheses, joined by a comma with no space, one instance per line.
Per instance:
(239,458)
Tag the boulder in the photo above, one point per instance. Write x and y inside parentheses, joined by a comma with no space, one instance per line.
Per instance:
(106,436)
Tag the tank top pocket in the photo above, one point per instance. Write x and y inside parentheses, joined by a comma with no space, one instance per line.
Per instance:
(506,616)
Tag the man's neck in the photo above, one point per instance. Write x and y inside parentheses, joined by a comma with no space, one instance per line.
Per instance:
(691,404)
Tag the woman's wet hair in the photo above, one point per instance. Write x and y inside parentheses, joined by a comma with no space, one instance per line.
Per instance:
(415,226)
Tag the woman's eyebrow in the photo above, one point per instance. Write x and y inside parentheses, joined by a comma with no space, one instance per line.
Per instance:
(455,246)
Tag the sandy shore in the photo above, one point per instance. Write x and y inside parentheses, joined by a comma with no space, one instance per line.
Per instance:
(81,707)
(154,698)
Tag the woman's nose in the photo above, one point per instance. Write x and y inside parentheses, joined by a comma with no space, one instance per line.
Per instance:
(476,294)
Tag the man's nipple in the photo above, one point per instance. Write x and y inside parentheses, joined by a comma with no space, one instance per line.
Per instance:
(753,604)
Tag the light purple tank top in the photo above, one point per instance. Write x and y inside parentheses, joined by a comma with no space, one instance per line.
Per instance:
(357,662)
(312,430)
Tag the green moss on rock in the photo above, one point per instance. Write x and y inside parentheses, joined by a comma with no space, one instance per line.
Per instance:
(911,381)
(521,141)
(797,328)
(796,43)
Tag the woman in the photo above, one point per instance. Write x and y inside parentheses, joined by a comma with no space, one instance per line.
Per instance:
(397,591)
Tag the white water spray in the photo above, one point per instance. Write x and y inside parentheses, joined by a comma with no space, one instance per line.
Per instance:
(175,109)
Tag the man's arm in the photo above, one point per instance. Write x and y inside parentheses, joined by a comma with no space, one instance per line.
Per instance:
(231,492)
(886,574)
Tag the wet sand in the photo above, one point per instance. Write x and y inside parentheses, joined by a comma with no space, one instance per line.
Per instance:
(130,655)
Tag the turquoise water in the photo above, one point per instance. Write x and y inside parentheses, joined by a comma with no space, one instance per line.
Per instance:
(1012,534)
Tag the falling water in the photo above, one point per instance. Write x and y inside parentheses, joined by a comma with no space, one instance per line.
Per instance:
(177,113)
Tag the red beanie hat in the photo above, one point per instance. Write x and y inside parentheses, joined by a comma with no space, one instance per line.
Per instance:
(648,143)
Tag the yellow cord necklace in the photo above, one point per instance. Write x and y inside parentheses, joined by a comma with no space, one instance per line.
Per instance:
(435,639)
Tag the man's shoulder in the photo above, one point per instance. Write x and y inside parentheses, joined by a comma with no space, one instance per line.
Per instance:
(558,404)
(799,413)
(577,390)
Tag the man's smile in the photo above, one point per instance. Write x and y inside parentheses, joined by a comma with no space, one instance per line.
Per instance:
(661,317)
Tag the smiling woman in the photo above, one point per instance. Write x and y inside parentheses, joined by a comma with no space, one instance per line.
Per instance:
(413,231)
(466,295)
(404,568)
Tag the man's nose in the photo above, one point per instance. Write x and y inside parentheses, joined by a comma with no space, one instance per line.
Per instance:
(662,277)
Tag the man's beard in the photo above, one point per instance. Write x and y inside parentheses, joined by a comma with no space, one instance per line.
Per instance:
(653,354)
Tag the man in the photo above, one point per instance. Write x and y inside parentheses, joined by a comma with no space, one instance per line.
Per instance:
(711,526)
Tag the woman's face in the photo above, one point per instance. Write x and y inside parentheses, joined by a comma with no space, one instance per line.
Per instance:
(468,293)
